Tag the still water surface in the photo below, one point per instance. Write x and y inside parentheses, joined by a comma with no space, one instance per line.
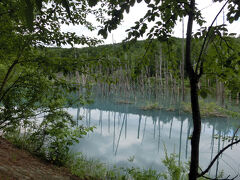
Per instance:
(126,132)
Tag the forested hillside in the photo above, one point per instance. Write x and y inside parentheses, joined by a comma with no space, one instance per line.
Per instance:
(157,67)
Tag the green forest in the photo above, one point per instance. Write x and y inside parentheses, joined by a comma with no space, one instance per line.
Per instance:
(196,76)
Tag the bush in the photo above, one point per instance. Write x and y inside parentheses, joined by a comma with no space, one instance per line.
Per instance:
(50,139)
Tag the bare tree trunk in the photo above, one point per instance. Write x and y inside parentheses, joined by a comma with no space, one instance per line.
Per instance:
(237,98)
(166,74)
(217,91)
(182,64)
(78,81)
(222,93)
(230,97)
(160,66)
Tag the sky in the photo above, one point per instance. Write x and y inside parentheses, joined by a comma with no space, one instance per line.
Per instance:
(209,11)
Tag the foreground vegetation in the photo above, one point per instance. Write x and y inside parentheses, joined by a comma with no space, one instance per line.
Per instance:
(86,168)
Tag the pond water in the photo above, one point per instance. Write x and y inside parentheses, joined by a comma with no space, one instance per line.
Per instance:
(124,132)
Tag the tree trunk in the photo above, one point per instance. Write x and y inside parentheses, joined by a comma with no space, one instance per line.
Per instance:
(194,79)
(196,130)
(237,98)
(217,90)
(222,93)
(160,66)
(182,64)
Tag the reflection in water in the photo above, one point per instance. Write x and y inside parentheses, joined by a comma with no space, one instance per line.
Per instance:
(158,134)
(212,143)
(154,130)
(154,125)
(144,130)
(170,132)
(114,130)
(124,119)
(187,138)
(139,125)
(100,121)
(217,165)
(180,144)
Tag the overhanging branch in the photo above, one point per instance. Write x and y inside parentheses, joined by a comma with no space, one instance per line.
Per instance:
(205,39)
(216,157)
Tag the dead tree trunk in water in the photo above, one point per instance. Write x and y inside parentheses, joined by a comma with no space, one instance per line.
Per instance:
(182,64)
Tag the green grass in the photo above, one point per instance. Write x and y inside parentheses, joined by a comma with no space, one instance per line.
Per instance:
(210,110)
(124,102)
(86,168)
(156,106)
(207,109)
(151,106)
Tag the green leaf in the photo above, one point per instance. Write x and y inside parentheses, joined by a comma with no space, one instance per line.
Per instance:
(127,9)
(92,2)
(132,2)
(103,33)
(65,4)
(157,2)
(203,93)
(29,14)
(39,4)
(147,1)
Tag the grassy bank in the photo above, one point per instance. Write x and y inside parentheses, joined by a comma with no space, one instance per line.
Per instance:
(85,168)
(210,109)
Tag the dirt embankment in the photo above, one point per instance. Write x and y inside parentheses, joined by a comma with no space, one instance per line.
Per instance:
(17,164)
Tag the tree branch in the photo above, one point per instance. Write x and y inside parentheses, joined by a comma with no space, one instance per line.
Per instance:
(7,75)
(216,157)
(207,35)
(8,89)
(234,135)
(221,179)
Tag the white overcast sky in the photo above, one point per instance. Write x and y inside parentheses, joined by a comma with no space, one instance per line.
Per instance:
(209,11)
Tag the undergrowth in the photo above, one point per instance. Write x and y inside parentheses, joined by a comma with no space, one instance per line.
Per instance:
(86,168)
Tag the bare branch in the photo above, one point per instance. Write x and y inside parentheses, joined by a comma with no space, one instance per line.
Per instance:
(216,157)
(234,135)
(221,179)
(207,35)
(222,38)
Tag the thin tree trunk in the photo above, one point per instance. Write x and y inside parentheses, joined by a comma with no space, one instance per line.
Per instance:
(182,64)
(194,78)
(160,65)
(230,97)
(196,131)
(222,93)
(217,91)
(237,98)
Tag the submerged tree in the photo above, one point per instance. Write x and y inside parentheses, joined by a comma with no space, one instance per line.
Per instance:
(165,14)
